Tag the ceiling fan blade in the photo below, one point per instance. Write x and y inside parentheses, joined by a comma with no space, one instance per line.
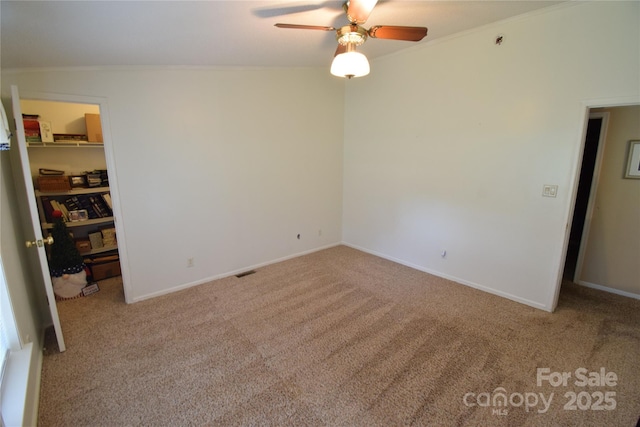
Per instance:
(340,49)
(288,10)
(412,34)
(305,27)
(359,10)
(298,7)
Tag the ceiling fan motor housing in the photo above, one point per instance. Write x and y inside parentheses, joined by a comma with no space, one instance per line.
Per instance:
(351,35)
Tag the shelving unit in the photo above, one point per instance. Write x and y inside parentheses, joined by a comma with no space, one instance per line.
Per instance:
(73,192)
(81,228)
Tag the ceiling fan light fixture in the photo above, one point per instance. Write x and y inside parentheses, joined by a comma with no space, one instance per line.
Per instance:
(347,62)
(351,34)
(350,64)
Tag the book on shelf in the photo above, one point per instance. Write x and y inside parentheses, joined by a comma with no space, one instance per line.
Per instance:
(47,208)
(57,206)
(107,200)
(85,204)
(98,205)
(31,127)
(69,137)
(73,203)
(93,204)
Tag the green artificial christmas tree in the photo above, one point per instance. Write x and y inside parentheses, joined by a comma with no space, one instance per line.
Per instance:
(66,265)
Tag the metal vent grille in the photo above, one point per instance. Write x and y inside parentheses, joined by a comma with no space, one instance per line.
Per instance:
(246,273)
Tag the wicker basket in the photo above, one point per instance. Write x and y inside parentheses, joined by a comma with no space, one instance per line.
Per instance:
(54,183)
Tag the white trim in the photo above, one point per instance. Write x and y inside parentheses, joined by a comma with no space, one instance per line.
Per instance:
(21,386)
(609,290)
(232,273)
(597,167)
(453,278)
(621,101)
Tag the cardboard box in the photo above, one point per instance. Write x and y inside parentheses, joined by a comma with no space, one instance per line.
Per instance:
(83,245)
(96,240)
(94,127)
(106,270)
(53,183)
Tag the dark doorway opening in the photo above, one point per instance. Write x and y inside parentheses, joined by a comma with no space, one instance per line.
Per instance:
(592,139)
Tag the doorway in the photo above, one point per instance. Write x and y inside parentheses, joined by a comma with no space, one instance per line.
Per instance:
(591,159)
(73,155)
(35,221)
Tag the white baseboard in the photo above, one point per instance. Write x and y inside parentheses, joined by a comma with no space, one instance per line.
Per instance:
(483,288)
(231,273)
(608,289)
(21,386)
(32,404)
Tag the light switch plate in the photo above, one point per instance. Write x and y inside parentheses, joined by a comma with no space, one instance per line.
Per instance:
(550,190)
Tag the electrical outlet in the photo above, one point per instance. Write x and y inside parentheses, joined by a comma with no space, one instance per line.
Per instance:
(191,262)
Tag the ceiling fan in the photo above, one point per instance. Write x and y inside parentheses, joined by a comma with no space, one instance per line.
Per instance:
(347,62)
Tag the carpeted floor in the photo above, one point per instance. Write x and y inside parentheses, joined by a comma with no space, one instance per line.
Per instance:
(341,338)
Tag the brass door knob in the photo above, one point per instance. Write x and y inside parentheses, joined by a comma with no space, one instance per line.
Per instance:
(39,243)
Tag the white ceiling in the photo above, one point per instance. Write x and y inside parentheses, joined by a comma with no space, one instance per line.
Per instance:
(56,33)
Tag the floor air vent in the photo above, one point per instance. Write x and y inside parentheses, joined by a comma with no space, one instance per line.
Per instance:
(246,273)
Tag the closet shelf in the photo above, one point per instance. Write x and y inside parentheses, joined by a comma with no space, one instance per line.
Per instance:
(73,191)
(64,144)
(70,224)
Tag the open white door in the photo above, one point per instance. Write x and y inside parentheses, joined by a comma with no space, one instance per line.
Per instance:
(37,243)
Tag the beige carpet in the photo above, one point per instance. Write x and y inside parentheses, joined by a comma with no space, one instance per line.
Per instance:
(339,338)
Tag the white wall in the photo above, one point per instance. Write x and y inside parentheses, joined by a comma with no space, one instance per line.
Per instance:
(448,145)
(613,241)
(225,166)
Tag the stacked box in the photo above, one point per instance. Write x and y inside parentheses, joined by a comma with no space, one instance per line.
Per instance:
(103,271)
(94,127)
(96,240)
(31,127)
(109,236)
(83,246)
(53,183)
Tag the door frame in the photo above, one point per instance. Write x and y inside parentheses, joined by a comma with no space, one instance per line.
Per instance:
(584,236)
(101,102)
(587,105)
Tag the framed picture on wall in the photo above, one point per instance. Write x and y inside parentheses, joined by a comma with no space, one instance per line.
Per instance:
(633,165)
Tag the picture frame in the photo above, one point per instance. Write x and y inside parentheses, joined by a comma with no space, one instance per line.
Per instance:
(633,160)
(46,134)
(78,181)
(78,215)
